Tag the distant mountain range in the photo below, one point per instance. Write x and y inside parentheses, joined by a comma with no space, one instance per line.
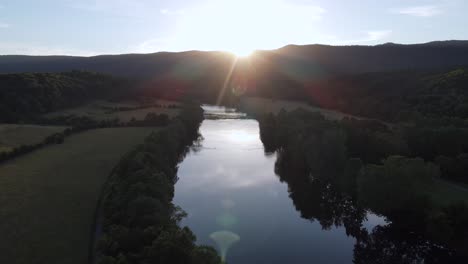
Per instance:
(292,61)
(384,81)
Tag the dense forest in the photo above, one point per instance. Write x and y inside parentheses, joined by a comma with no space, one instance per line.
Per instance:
(396,96)
(23,96)
(373,141)
(336,164)
(437,97)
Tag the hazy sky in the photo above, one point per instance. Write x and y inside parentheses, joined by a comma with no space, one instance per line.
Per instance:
(89,27)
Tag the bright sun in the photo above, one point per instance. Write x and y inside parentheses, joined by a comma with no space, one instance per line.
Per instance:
(228,26)
(243,26)
(242,52)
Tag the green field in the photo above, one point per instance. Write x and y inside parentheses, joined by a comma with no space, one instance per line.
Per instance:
(48,197)
(101,110)
(12,135)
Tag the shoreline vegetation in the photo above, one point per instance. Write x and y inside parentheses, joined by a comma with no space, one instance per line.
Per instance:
(139,222)
(357,165)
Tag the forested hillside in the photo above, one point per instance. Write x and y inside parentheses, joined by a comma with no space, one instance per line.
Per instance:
(23,96)
(305,62)
(395,96)
(386,57)
(325,75)
(391,96)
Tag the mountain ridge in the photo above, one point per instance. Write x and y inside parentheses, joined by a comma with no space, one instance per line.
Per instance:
(302,61)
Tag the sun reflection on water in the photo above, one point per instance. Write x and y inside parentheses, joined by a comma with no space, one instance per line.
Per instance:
(241,136)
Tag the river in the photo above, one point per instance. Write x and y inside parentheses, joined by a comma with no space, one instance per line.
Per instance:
(236,203)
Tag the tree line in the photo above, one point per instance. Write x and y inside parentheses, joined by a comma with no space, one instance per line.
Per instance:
(139,221)
(78,124)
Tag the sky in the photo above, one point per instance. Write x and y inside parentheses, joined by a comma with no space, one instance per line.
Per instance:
(92,27)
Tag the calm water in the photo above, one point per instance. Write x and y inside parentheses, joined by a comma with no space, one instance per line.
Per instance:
(237,204)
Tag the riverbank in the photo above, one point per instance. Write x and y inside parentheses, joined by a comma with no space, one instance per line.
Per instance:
(367,166)
(139,221)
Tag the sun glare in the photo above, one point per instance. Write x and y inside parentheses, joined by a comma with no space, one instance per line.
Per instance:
(243,26)
(242,52)
(240,136)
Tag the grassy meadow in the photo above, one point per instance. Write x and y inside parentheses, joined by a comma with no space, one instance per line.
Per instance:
(48,197)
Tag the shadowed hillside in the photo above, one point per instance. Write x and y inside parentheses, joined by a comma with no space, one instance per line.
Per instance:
(394,96)
(28,94)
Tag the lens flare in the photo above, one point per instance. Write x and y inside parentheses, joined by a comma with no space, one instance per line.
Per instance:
(224,240)
(226,220)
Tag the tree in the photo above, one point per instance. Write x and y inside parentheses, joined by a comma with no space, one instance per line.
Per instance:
(401,184)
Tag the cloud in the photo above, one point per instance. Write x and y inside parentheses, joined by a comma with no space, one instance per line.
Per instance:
(135,9)
(19,48)
(315,12)
(376,35)
(125,8)
(319,11)
(151,45)
(166,11)
(4,25)
(418,11)
(368,36)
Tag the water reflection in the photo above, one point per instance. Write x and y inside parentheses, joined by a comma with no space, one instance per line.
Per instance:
(220,112)
(334,203)
(228,160)
(230,185)
(257,208)
(241,136)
